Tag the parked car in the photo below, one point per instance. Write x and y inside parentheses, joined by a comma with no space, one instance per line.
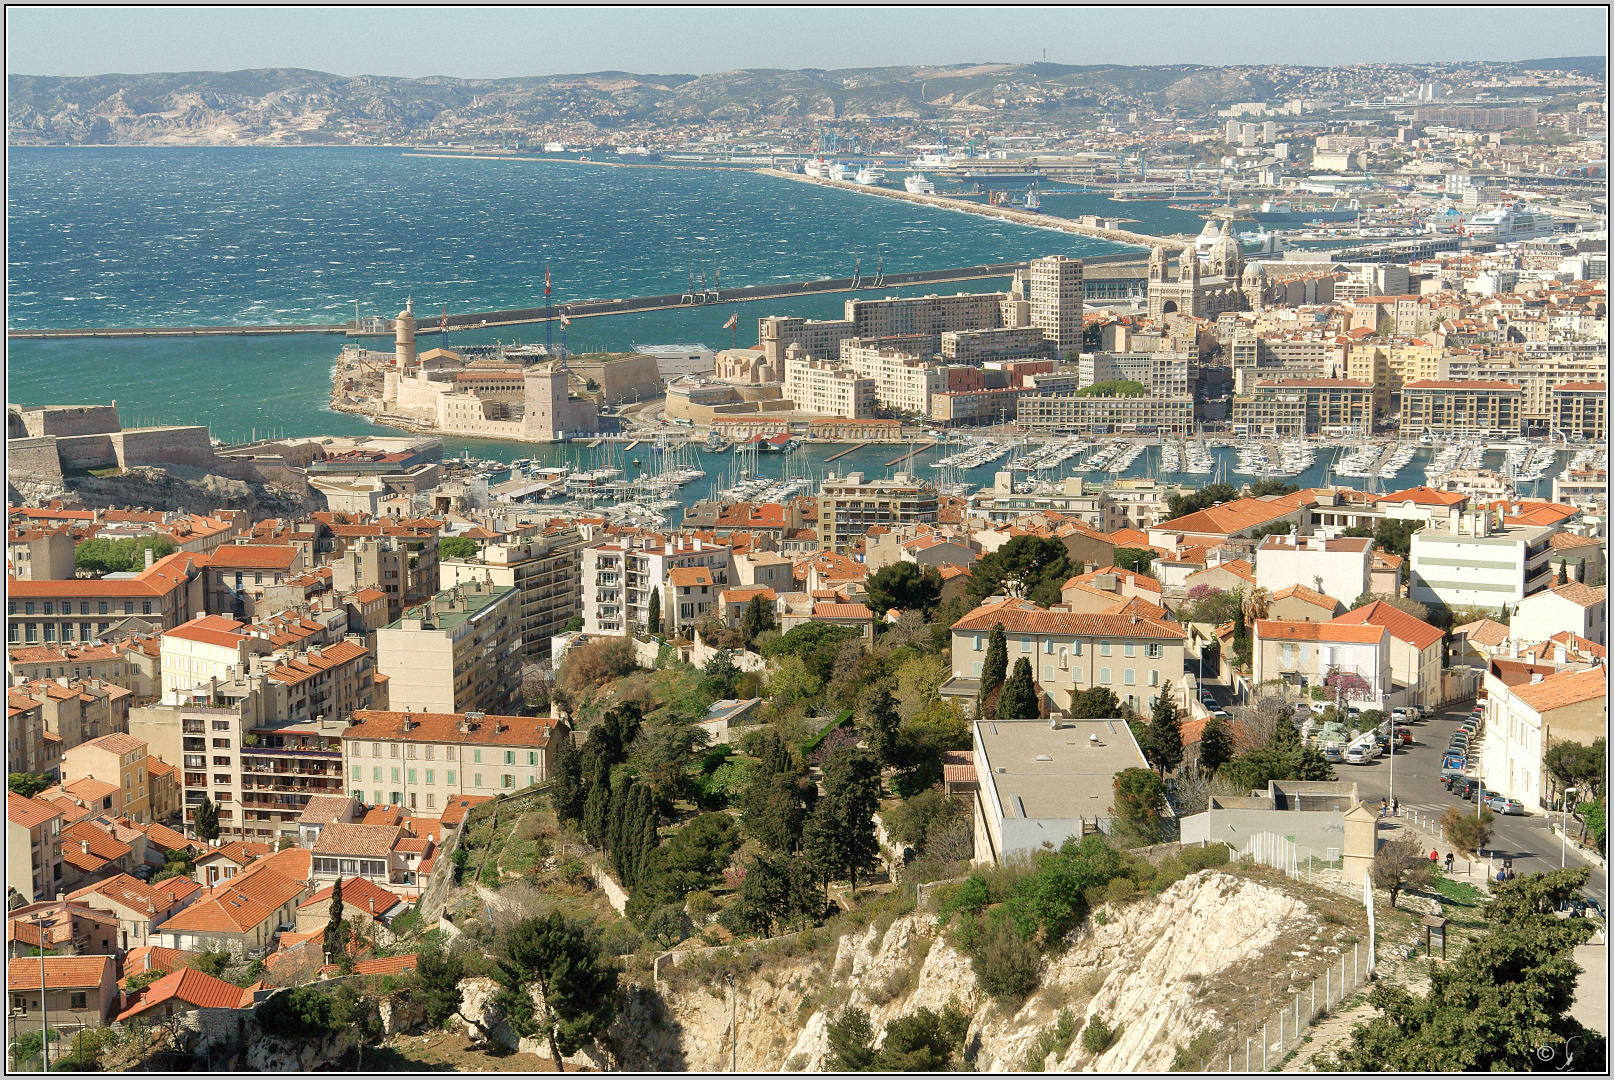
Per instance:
(1221,714)
(1333,753)
(1500,804)
(1403,716)
(1463,787)
(1405,735)
(1357,755)
(1319,707)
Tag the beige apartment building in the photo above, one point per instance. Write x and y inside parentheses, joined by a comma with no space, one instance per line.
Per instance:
(828,389)
(33,847)
(1055,293)
(403,565)
(423,759)
(1580,408)
(117,759)
(1049,414)
(41,554)
(1478,405)
(30,746)
(1137,659)
(1293,408)
(205,648)
(76,710)
(164,594)
(848,505)
(901,380)
(546,572)
(460,651)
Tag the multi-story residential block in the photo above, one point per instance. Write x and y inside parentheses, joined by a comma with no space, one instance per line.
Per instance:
(1163,374)
(63,928)
(1414,651)
(1054,290)
(237,575)
(423,759)
(1469,562)
(117,759)
(1354,658)
(458,651)
(1526,713)
(69,993)
(1295,408)
(764,568)
(619,576)
(993,343)
(164,594)
(987,405)
(1076,498)
(402,563)
(334,681)
(30,745)
(1459,407)
(1136,658)
(828,389)
(77,710)
(1579,409)
(688,595)
(901,380)
(140,908)
(85,661)
(206,648)
(544,569)
(33,848)
(848,505)
(41,554)
(1096,415)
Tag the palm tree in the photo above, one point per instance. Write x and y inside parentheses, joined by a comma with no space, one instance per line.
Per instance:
(1255,606)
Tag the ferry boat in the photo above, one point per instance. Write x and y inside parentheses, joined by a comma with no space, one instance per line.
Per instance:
(1033,204)
(1508,223)
(869,176)
(919,184)
(932,161)
(1272,213)
(837,171)
(818,168)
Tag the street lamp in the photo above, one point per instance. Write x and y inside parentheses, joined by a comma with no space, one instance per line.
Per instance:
(1563,831)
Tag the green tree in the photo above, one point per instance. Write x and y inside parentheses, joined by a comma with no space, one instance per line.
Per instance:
(773,807)
(851,1042)
(101,556)
(27,784)
(756,620)
(1040,563)
(880,723)
(1163,737)
(721,675)
(207,821)
(667,925)
(1095,704)
(654,623)
(1140,804)
(1019,700)
(1138,560)
(925,1040)
(1262,488)
(1501,1006)
(995,668)
(561,958)
(775,890)
(903,585)
(838,836)
(817,643)
(335,940)
(213,963)
(1215,745)
(1212,494)
(302,1013)
(456,548)
(439,975)
(1468,833)
(1113,388)
(1401,864)
(575,623)
(568,794)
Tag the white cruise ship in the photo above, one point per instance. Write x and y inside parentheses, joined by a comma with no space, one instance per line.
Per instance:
(870,176)
(931,161)
(1507,223)
(918,184)
(817,167)
(838,171)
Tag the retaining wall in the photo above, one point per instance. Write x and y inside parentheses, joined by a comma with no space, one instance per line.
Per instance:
(33,459)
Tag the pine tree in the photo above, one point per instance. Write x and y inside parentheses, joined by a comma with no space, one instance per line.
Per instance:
(852,795)
(569,792)
(1163,737)
(655,612)
(1215,745)
(207,820)
(1563,577)
(577,984)
(1019,700)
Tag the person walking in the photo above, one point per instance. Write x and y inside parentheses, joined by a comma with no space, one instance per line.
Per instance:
(1395,807)
(1434,856)
(1383,805)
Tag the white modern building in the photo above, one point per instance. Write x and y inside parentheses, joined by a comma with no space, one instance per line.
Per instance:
(828,389)
(620,575)
(1472,562)
(1524,719)
(1571,606)
(1337,568)
(676,361)
(901,380)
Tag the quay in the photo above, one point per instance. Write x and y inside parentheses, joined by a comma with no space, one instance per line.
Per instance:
(843,453)
(913,451)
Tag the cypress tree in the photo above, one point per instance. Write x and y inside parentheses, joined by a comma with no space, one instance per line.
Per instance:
(597,805)
(655,611)
(1215,745)
(569,792)
(1019,700)
(333,929)
(207,820)
(644,861)
(996,664)
(1163,742)
(882,720)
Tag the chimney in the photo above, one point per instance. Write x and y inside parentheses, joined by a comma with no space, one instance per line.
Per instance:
(372,905)
(148,558)
(1535,677)
(1053,721)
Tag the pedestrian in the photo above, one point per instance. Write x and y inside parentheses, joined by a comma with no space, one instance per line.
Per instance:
(1395,807)
(1434,856)
(1448,862)
(1382,805)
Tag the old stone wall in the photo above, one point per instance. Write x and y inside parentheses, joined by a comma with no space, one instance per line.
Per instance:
(187,445)
(619,379)
(71,420)
(86,451)
(33,459)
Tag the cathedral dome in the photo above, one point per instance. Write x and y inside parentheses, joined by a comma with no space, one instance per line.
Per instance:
(1254,273)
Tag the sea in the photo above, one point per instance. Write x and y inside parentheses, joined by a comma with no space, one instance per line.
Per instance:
(205,236)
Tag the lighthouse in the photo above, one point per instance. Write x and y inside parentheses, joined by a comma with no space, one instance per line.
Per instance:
(404,348)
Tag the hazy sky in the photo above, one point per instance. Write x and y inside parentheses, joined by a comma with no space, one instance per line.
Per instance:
(503,42)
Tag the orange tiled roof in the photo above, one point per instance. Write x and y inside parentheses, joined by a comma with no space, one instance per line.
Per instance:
(360,894)
(444,728)
(1023,616)
(28,813)
(155,958)
(61,973)
(228,913)
(1402,626)
(1564,688)
(190,986)
(827,610)
(1424,496)
(252,557)
(1309,596)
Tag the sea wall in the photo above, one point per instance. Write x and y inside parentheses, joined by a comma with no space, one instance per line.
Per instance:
(33,459)
(177,445)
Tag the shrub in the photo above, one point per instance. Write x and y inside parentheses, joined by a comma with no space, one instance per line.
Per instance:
(1054,1039)
(1120,890)
(1098,1036)
(700,902)
(1004,962)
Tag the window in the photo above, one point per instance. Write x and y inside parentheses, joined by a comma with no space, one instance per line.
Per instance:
(50,608)
(980,639)
(375,801)
(394,776)
(1154,676)
(221,725)
(1076,674)
(101,608)
(145,607)
(431,776)
(376,774)
(78,1000)
(509,781)
(1104,648)
(1103,674)
(411,800)
(128,607)
(394,749)
(221,744)
(221,759)
(358,773)
(411,776)
(1047,673)
(373,868)
(1025,644)
(431,753)
(328,866)
(448,753)
(975,669)
(431,801)
(28,608)
(1129,676)
(395,797)
(84,607)
(1152,650)
(409,751)
(1129,649)
(450,778)
(532,757)
(509,757)
(478,779)
(476,756)
(375,749)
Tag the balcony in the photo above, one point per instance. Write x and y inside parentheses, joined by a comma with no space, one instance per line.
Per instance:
(192,727)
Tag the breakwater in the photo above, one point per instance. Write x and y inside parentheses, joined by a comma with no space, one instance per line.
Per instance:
(1004,213)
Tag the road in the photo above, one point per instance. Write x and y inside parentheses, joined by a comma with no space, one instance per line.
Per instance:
(1527,840)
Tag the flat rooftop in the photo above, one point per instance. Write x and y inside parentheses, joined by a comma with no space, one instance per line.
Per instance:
(1041,772)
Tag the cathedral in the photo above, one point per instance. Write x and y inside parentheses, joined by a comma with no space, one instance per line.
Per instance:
(1204,292)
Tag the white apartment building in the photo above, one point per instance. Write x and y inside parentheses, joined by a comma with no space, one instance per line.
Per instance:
(1305,654)
(1523,720)
(1472,563)
(828,390)
(620,575)
(1571,606)
(1337,568)
(543,569)
(1135,658)
(901,380)
(206,648)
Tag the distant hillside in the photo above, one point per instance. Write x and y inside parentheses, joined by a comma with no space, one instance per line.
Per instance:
(288,105)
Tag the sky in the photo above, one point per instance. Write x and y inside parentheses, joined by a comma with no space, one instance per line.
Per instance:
(500,42)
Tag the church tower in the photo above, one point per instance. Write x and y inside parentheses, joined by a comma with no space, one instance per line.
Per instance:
(1157,264)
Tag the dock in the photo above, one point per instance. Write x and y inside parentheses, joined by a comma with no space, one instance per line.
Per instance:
(843,453)
(912,452)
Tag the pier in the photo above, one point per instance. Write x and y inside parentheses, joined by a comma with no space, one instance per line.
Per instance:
(843,453)
(912,452)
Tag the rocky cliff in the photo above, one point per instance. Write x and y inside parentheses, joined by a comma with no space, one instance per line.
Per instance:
(1153,966)
(174,487)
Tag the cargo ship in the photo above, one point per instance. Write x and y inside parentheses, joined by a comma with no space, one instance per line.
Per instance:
(1272,213)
